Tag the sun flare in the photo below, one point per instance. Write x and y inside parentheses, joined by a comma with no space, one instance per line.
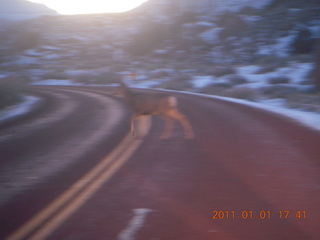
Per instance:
(90,6)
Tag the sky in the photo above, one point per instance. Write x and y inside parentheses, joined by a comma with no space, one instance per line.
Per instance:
(70,7)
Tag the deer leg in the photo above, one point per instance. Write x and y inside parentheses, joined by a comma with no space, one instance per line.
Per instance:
(167,128)
(137,123)
(132,127)
(188,131)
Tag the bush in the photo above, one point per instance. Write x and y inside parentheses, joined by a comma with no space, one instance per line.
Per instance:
(307,102)
(22,37)
(150,38)
(266,69)
(237,79)
(179,82)
(279,80)
(233,25)
(304,43)
(241,93)
(227,91)
(278,91)
(99,78)
(10,93)
(216,89)
(270,61)
(222,71)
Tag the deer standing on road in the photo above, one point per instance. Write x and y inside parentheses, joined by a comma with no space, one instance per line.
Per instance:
(164,105)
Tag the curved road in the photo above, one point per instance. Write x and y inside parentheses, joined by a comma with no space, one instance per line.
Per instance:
(70,168)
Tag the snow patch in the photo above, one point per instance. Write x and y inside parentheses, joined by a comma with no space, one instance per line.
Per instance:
(19,109)
(25,60)
(142,84)
(211,36)
(53,82)
(202,81)
(235,5)
(309,119)
(296,72)
(281,48)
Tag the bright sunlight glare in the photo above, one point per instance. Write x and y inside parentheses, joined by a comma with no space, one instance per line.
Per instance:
(90,6)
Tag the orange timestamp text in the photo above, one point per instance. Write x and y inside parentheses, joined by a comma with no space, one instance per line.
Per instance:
(263,214)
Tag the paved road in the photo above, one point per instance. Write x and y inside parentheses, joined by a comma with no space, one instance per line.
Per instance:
(248,174)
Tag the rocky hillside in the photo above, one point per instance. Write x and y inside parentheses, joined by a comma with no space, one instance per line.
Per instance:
(173,45)
(17,10)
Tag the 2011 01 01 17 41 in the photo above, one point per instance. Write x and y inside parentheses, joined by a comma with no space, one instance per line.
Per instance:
(263,214)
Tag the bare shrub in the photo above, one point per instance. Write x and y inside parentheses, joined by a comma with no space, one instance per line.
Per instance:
(247,10)
(152,36)
(278,91)
(237,79)
(266,69)
(227,91)
(222,71)
(307,102)
(179,82)
(270,61)
(10,92)
(315,73)
(187,17)
(22,37)
(233,24)
(107,77)
(55,75)
(216,89)
(304,43)
(241,93)
(99,78)
(279,80)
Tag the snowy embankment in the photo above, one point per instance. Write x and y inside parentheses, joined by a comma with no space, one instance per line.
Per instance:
(296,72)
(309,119)
(19,109)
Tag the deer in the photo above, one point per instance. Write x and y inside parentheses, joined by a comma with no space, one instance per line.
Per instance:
(164,105)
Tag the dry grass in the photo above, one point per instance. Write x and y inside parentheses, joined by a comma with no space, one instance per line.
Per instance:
(232,92)
(278,91)
(307,102)
(279,80)
(222,71)
(10,92)
(241,93)
(237,79)
(179,82)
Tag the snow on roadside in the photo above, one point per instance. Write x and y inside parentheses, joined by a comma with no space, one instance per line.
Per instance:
(53,82)
(199,82)
(295,72)
(281,48)
(19,109)
(309,119)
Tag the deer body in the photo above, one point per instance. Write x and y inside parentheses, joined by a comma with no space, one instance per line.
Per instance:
(164,105)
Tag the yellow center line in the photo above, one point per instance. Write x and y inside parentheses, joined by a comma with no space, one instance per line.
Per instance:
(59,210)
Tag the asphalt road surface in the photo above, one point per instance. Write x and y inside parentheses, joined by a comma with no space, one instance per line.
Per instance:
(69,170)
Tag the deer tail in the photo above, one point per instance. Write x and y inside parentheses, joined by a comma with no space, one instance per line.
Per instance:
(172,101)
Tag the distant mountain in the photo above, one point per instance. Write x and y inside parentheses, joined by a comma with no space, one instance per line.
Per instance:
(16,10)
(201,6)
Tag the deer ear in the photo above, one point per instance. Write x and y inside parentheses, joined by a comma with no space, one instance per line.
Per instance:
(122,85)
(119,90)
